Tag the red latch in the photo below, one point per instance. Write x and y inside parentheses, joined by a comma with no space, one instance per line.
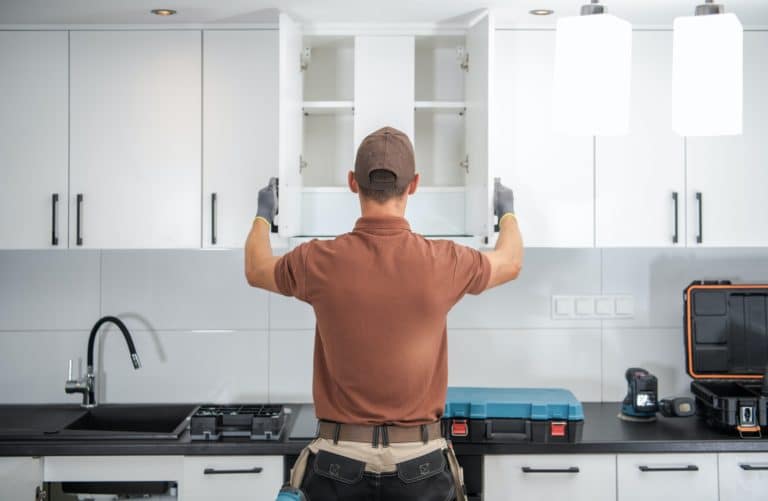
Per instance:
(459,428)
(558,428)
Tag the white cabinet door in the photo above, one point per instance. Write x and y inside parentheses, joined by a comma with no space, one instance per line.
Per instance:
(20,477)
(640,177)
(112,468)
(290,126)
(231,478)
(534,477)
(384,85)
(743,477)
(730,172)
(240,109)
(135,139)
(480,124)
(33,139)
(652,477)
(551,174)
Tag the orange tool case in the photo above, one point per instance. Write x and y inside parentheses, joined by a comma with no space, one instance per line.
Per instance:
(726,346)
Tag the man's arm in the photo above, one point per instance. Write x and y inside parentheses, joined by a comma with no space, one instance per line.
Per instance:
(259,261)
(507,257)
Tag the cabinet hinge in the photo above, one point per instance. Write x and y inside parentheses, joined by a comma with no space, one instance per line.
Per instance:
(302,164)
(41,494)
(462,56)
(304,58)
(464,164)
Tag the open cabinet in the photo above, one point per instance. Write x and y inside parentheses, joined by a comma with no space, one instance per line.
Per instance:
(336,89)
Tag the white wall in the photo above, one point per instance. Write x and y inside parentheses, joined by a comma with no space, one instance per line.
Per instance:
(204,335)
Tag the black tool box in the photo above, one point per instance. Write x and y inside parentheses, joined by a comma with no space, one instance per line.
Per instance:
(726,346)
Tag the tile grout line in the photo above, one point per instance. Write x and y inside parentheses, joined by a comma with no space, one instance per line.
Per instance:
(101,283)
(69,132)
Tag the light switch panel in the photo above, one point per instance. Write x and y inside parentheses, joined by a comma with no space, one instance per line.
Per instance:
(593,307)
(585,306)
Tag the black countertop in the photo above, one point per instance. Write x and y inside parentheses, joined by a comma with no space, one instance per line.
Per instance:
(603,433)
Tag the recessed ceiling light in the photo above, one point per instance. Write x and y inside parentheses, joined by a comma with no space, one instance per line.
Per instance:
(163,12)
(542,12)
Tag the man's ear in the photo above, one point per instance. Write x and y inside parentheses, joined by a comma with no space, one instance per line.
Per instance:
(413,184)
(352,182)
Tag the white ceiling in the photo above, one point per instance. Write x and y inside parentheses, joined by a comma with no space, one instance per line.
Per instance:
(509,12)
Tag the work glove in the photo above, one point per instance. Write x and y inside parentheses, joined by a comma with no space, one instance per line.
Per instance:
(503,199)
(268,201)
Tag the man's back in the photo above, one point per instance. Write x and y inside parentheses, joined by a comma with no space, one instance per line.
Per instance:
(381,295)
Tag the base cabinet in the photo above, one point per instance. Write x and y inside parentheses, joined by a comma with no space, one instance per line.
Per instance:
(20,477)
(743,477)
(231,478)
(682,477)
(534,477)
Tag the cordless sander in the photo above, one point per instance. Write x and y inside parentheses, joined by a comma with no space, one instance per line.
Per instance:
(642,401)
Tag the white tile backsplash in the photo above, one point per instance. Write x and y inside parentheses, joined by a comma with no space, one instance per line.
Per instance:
(204,335)
(172,290)
(48,290)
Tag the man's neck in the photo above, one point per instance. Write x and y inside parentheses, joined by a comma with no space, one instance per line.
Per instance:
(392,208)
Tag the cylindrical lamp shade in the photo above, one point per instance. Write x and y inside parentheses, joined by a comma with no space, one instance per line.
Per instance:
(707,75)
(593,64)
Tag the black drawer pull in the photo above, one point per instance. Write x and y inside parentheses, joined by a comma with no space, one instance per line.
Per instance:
(79,234)
(214,471)
(675,234)
(700,235)
(749,467)
(690,467)
(571,469)
(54,233)
(213,218)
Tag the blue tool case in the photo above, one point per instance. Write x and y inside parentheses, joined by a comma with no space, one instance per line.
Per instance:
(504,415)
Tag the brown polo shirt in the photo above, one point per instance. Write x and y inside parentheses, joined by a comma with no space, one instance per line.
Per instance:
(381,295)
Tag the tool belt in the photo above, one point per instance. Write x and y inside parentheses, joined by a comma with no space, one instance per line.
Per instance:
(380,434)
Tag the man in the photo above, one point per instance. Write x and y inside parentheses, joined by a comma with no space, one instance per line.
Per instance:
(381,295)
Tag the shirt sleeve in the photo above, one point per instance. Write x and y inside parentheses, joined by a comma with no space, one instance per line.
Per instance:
(291,272)
(472,270)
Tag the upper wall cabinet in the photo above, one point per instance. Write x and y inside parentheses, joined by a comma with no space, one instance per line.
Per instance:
(728,176)
(135,118)
(640,177)
(349,86)
(240,140)
(33,139)
(551,174)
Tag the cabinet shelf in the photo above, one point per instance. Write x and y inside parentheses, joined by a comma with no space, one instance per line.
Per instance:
(328,107)
(458,106)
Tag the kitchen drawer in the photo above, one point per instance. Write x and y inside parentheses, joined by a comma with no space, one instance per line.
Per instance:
(682,477)
(231,478)
(572,477)
(743,477)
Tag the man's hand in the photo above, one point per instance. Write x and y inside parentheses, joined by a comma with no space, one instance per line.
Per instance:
(268,201)
(503,199)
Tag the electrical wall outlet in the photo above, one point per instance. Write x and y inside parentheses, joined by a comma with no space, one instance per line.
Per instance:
(593,307)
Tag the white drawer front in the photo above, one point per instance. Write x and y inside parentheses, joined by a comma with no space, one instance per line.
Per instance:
(743,477)
(111,468)
(551,477)
(243,484)
(648,477)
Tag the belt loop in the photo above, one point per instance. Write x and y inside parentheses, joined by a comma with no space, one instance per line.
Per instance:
(384,436)
(336,433)
(375,439)
(424,434)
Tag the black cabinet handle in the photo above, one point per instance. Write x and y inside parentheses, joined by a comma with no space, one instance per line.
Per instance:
(213,218)
(571,469)
(650,469)
(700,235)
(79,234)
(54,233)
(749,467)
(675,234)
(213,471)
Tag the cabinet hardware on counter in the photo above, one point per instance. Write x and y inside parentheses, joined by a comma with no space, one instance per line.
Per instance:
(700,235)
(79,215)
(54,203)
(213,218)
(571,469)
(213,471)
(675,234)
(650,469)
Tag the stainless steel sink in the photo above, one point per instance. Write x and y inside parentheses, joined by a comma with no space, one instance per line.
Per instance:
(105,422)
(130,422)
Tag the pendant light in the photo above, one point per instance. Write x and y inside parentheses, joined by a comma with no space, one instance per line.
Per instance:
(593,58)
(708,73)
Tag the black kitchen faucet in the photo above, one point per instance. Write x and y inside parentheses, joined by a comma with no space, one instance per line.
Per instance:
(87,385)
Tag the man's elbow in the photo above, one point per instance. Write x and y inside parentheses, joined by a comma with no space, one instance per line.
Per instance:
(255,278)
(514,269)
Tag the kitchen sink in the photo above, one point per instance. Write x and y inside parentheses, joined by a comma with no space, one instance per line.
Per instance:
(130,422)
